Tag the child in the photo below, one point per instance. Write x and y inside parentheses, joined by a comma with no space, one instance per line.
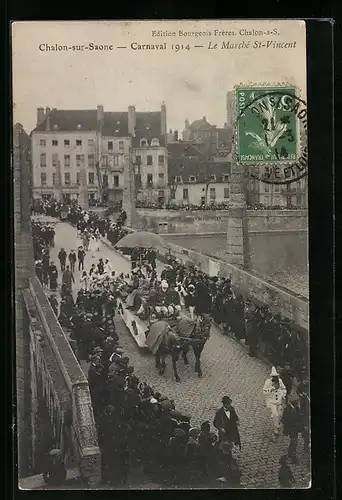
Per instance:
(84,281)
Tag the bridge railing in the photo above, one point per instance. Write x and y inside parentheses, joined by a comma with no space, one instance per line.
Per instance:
(84,434)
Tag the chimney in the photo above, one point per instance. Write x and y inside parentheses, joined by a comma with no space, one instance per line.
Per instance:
(40,115)
(131,120)
(163,119)
(187,124)
(100,115)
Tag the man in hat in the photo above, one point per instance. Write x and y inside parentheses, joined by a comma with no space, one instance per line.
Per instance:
(161,298)
(275,395)
(226,422)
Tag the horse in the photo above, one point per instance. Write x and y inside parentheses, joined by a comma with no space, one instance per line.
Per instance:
(178,340)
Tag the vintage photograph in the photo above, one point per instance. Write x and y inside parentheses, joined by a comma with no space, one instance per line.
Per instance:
(160,174)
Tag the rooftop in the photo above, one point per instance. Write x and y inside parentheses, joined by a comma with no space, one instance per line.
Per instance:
(201,169)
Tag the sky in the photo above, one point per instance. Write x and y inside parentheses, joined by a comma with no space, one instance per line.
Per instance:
(192,83)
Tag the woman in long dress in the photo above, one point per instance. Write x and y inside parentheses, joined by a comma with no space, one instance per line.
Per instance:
(92,244)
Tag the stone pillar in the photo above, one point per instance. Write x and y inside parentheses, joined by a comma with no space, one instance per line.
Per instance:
(237,232)
(23,270)
(83,199)
(131,120)
(128,195)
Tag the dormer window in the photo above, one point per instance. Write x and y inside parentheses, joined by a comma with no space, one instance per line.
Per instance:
(213,177)
(55,127)
(226,177)
(178,178)
(79,126)
(143,143)
(155,142)
(192,178)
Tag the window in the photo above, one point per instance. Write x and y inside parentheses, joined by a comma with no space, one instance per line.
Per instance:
(54,179)
(288,201)
(43,179)
(173,195)
(192,178)
(161,175)
(155,142)
(121,145)
(105,160)
(110,145)
(91,178)
(267,188)
(212,193)
(149,179)
(226,193)
(185,193)
(66,143)
(138,160)
(178,178)
(116,160)
(78,177)
(266,200)
(79,160)
(67,160)
(78,142)
(116,181)
(91,160)
(213,177)
(54,142)
(143,142)
(277,188)
(161,193)
(54,159)
(67,178)
(277,200)
(161,159)
(43,160)
(42,142)
(90,142)
(226,177)
(149,160)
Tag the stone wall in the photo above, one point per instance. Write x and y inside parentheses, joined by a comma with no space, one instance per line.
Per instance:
(281,256)
(23,255)
(82,430)
(279,299)
(171,221)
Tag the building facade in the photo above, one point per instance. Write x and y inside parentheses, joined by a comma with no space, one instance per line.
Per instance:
(65,143)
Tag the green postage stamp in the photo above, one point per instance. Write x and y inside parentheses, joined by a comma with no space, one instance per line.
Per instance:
(266,125)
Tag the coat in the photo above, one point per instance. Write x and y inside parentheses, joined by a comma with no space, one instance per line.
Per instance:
(202,299)
(292,419)
(231,431)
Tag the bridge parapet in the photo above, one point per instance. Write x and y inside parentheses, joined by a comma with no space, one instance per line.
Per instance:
(65,387)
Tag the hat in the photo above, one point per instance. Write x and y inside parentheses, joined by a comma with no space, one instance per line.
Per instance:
(226,399)
(166,404)
(153,401)
(274,372)
(164,284)
(194,432)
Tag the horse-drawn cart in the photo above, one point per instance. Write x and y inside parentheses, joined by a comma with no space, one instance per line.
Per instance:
(137,326)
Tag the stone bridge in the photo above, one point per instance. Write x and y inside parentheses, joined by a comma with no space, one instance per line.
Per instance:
(52,397)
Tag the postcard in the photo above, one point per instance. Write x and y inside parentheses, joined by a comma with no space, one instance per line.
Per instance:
(161,254)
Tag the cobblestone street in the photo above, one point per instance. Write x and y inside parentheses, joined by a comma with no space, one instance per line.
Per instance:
(227,370)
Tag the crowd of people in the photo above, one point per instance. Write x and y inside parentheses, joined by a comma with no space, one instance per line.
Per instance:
(209,206)
(136,424)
